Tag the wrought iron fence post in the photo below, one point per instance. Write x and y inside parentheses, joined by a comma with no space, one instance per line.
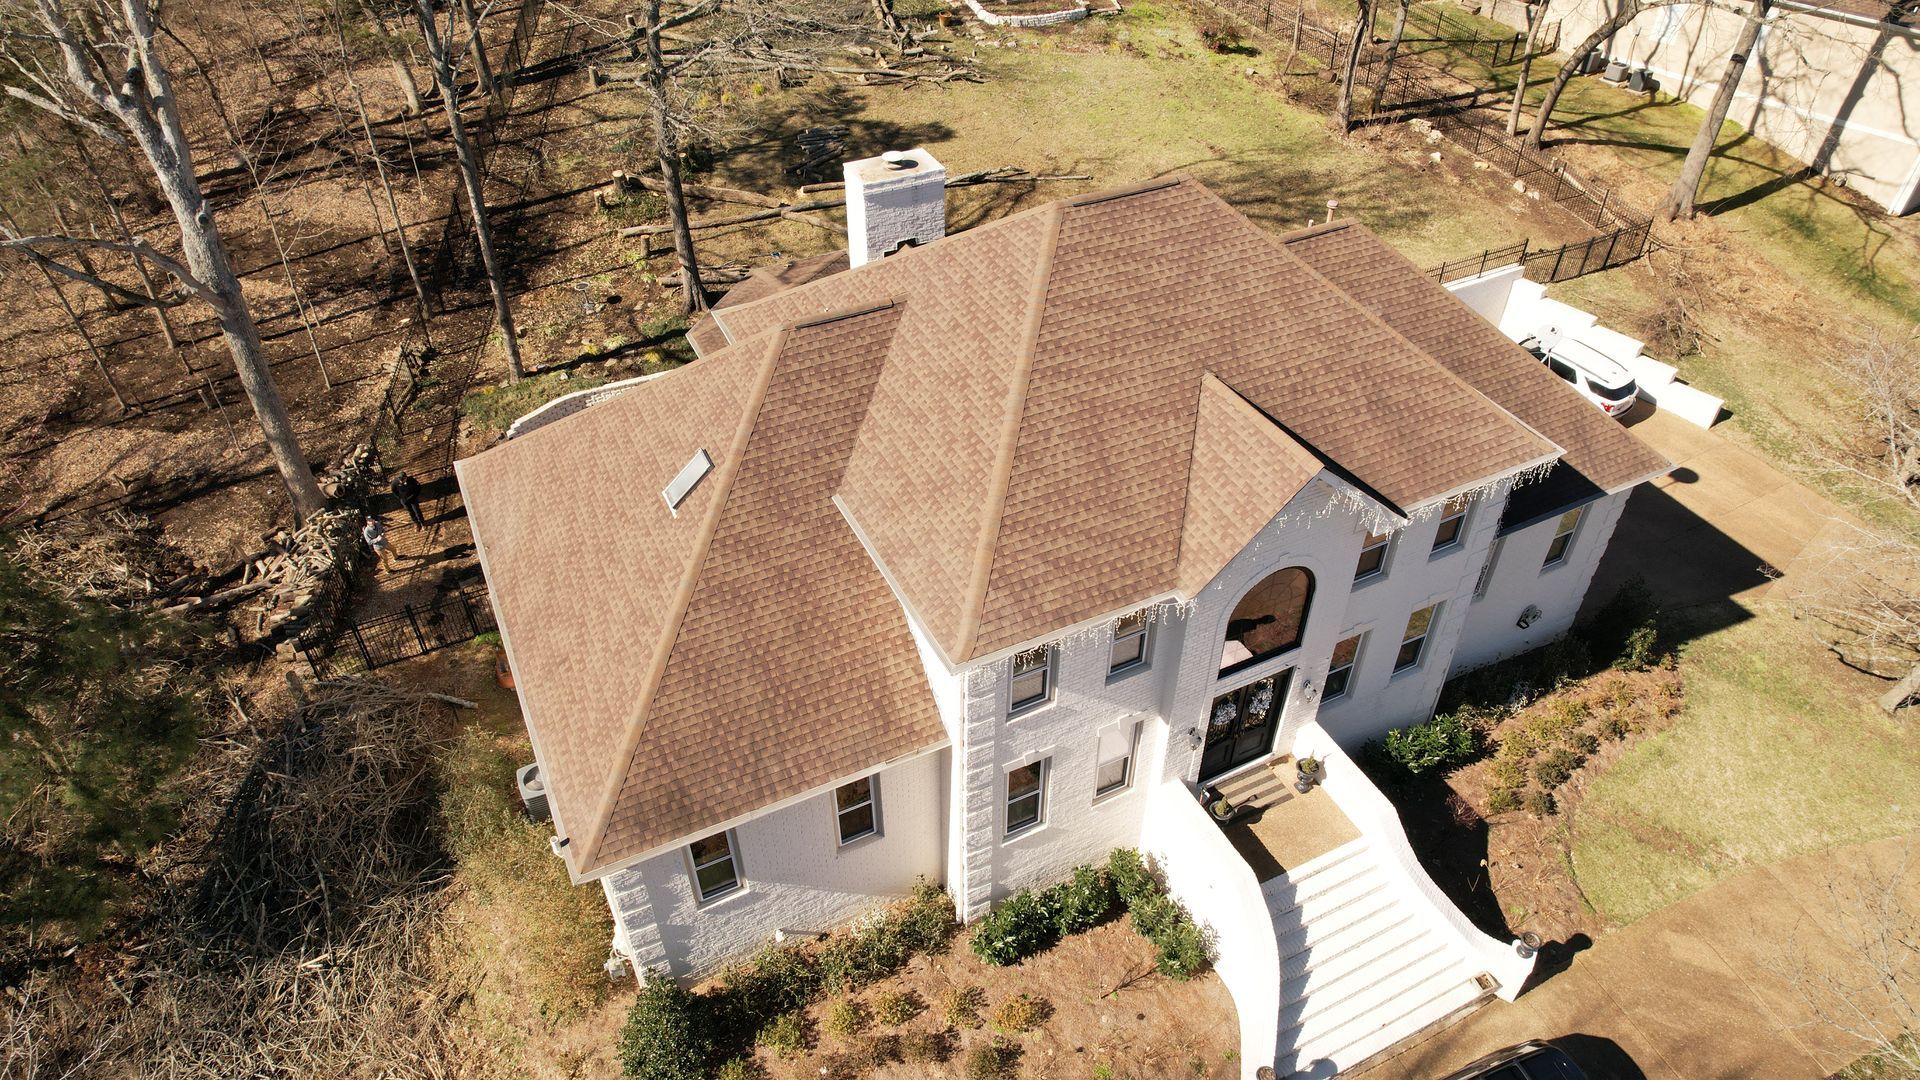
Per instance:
(1557,256)
(467,610)
(1523,253)
(360,643)
(1608,260)
(415,623)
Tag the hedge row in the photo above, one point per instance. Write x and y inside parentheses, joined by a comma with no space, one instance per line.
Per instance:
(1028,921)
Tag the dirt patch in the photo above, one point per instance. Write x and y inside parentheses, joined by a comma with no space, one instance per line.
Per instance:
(1102,1002)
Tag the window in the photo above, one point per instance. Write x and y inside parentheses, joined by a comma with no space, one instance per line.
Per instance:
(857,808)
(1129,643)
(1563,369)
(1453,522)
(1113,760)
(715,871)
(1563,536)
(1415,641)
(1032,678)
(1026,791)
(1373,556)
(1268,620)
(1340,674)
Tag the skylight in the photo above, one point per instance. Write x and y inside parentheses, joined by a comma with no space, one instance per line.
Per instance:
(686,480)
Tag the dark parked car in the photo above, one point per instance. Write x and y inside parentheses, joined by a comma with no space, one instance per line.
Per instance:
(1532,1060)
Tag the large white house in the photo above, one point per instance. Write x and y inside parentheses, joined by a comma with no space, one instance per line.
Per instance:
(975,557)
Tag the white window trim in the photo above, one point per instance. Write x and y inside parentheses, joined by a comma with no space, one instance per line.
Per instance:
(739,874)
(1572,535)
(1132,732)
(1132,667)
(1459,540)
(1439,610)
(1386,560)
(1352,669)
(1045,761)
(1052,670)
(873,800)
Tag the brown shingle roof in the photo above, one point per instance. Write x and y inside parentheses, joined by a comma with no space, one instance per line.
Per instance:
(1026,460)
(1601,455)
(1033,423)
(706,334)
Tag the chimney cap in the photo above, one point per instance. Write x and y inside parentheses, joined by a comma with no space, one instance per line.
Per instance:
(898,159)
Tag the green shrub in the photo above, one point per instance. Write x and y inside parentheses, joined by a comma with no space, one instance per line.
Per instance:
(894,1008)
(736,1069)
(1443,742)
(1624,630)
(927,919)
(775,982)
(1642,649)
(1539,803)
(1585,741)
(1503,800)
(784,1034)
(1084,901)
(1130,876)
(1556,766)
(1022,925)
(1616,725)
(846,1019)
(1183,948)
(665,1036)
(961,1006)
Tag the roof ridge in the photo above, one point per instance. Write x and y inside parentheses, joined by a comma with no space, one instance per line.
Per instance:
(1141,188)
(1002,477)
(729,469)
(1310,230)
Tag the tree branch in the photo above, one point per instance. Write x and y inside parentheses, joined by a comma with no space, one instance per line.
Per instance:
(27,244)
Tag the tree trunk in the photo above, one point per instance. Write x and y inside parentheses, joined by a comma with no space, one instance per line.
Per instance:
(482,68)
(148,108)
(1630,11)
(668,151)
(470,178)
(386,185)
(1362,30)
(1686,187)
(1393,53)
(1536,18)
(1902,692)
(402,74)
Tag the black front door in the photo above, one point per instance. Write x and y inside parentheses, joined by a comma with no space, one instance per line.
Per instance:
(1240,727)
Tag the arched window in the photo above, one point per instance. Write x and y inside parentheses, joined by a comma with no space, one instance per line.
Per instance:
(1268,620)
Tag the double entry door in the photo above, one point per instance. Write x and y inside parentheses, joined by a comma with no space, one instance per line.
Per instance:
(1241,724)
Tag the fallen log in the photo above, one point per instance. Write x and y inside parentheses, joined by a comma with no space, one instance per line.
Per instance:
(699,191)
(734,219)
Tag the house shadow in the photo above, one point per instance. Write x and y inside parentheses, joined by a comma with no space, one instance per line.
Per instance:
(1702,580)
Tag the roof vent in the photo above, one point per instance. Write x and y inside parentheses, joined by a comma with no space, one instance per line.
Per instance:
(686,480)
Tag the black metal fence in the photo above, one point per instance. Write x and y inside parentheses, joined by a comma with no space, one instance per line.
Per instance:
(461,615)
(1547,265)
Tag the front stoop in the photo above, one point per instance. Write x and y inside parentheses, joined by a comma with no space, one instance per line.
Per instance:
(1363,967)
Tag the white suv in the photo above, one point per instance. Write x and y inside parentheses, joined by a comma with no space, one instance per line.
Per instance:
(1600,378)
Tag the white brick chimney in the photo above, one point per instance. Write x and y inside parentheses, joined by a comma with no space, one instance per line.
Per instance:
(897,198)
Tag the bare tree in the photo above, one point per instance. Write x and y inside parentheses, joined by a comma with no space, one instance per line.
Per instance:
(1362,31)
(1865,987)
(666,145)
(141,103)
(1629,11)
(1392,54)
(443,76)
(1881,449)
(1536,17)
(1680,197)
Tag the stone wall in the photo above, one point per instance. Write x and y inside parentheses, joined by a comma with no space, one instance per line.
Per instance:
(1029,22)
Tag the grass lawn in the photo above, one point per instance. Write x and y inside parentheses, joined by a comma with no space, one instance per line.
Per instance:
(1776,753)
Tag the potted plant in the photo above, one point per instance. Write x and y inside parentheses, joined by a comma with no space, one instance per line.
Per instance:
(1308,770)
(1222,809)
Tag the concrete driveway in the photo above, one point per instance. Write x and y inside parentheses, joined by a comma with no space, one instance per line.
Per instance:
(1723,528)
(1727,983)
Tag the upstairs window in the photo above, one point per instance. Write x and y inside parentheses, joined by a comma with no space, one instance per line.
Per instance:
(715,870)
(1453,523)
(856,807)
(1268,620)
(1563,537)
(1414,643)
(1373,556)
(1340,672)
(1032,684)
(1129,643)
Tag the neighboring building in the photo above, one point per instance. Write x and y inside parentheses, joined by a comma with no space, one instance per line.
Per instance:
(976,561)
(1835,83)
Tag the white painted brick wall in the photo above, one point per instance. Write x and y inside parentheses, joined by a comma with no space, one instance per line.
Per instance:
(886,208)
(1029,22)
(796,875)
(1518,581)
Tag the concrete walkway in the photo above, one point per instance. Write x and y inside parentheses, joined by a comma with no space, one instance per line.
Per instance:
(1705,988)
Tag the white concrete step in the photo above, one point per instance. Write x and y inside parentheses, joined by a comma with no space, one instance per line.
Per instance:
(1324,896)
(1651,374)
(1342,928)
(1374,1033)
(1525,291)
(1376,991)
(1321,968)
